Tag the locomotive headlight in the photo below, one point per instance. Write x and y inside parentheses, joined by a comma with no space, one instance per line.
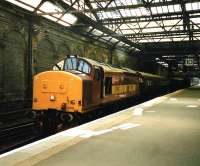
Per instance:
(52,98)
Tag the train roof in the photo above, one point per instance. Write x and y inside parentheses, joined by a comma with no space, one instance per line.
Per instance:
(111,69)
(108,68)
(177,78)
(151,75)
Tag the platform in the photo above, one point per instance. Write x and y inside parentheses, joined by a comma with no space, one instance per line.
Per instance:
(164,131)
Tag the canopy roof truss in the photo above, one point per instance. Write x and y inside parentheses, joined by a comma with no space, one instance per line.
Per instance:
(128,24)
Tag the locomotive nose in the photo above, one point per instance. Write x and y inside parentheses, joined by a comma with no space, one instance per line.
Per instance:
(57,90)
(50,90)
(52,86)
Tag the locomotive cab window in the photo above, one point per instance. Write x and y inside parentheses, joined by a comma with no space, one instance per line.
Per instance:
(59,65)
(77,64)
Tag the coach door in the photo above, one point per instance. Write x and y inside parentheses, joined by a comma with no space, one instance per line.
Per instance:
(97,84)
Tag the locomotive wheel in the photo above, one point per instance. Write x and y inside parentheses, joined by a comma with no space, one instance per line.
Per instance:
(66,117)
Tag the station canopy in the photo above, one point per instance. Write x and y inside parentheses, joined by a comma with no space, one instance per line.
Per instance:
(126,24)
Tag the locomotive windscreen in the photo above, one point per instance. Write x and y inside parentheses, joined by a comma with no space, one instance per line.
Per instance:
(73,63)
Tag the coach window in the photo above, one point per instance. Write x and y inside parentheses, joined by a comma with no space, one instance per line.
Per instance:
(108,85)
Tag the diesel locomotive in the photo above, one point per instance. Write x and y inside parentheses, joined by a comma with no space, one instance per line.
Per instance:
(77,85)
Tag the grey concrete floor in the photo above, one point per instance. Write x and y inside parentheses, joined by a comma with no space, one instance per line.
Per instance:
(165,134)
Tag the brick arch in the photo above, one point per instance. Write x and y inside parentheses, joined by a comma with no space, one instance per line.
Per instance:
(63,50)
(100,55)
(105,56)
(1,68)
(93,55)
(78,50)
(45,55)
(14,52)
(115,59)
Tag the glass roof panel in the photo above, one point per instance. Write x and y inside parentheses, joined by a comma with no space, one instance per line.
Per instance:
(63,23)
(165,40)
(34,3)
(171,8)
(196,5)
(189,6)
(50,17)
(49,7)
(70,18)
(196,20)
(144,11)
(146,40)
(57,15)
(124,26)
(90,15)
(113,40)
(94,5)
(151,24)
(185,39)
(123,19)
(159,10)
(179,39)
(177,8)
(137,12)
(120,43)
(23,5)
(107,38)
(172,22)
(128,31)
(97,32)
(69,2)
(158,29)
(154,10)
(165,9)
(79,5)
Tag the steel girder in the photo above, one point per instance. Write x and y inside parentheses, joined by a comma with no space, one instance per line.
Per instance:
(135,6)
(153,17)
(95,24)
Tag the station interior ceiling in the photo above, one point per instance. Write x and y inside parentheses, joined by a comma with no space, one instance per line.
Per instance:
(166,32)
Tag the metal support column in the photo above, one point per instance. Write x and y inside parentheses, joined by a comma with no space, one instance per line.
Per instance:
(29,60)
(111,56)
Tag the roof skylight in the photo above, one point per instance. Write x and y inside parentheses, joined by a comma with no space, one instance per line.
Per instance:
(137,20)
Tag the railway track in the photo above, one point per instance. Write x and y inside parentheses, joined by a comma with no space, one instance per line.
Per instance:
(16,129)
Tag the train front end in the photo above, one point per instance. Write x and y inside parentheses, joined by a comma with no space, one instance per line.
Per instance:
(57,90)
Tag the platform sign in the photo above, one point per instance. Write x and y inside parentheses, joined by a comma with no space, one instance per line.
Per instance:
(189,62)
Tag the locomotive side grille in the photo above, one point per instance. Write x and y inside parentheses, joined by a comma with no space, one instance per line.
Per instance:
(87,92)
